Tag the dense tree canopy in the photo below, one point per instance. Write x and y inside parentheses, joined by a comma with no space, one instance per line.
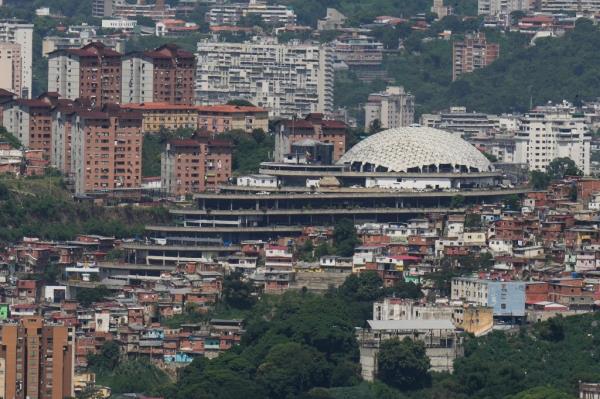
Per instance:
(514,81)
(238,293)
(559,168)
(344,235)
(42,207)
(403,364)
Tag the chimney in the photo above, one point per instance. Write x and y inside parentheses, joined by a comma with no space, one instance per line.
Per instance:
(141,2)
(160,5)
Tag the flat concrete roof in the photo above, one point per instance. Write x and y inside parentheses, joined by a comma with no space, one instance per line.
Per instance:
(222,212)
(131,266)
(411,325)
(303,193)
(226,229)
(232,248)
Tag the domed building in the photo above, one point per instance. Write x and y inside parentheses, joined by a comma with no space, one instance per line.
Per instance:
(416,150)
(390,177)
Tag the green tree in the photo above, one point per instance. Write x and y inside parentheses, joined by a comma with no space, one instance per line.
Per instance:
(403,289)
(457,201)
(345,237)
(375,126)
(240,103)
(365,286)
(238,293)
(539,180)
(134,376)
(323,249)
(513,202)
(87,296)
(472,220)
(559,168)
(552,330)
(108,358)
(291,368)
(403,364)
(306,251)
(545,392)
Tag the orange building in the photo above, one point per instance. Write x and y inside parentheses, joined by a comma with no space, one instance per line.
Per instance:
(92,72)
(183,167)
(31,122)
(218,162)
(36,359)
(473,53)
(166,74)
(586,187)
(192,165)
(106,150)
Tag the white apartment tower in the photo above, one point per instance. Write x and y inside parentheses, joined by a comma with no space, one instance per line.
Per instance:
(10,65)
(393,108)
(502,8)
(20,33)
(288,79)
(563,6)
(543,137)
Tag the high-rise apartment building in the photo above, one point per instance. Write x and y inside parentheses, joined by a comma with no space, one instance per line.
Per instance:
(218,162)
(10,65)
(106,150)
(358,51)
(393,108)
(102,8)
(183,169)
(14,31)
(543,137)
(473,53)
(502,8)
(564,6)
(31,122)
(288,79)
(231,14)
(165,75)
(92,72)
(36,359)
(193,165)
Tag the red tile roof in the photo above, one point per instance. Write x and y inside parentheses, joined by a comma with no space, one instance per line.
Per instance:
(184,142)
(95,49)
(168,51)
(229,109)
(157,106)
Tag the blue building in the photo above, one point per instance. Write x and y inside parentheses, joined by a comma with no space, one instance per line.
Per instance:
(507,298)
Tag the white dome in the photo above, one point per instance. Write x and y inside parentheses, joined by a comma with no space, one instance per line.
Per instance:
(416,149)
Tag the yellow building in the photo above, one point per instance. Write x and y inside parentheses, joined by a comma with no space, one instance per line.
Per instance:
(164,115)
(477,320)
(223,118)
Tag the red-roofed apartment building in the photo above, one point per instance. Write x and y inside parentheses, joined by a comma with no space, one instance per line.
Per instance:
(314,127)
(92,72)
(183,166)
(31,121)
(166,74)
(192,165)
(106,150)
